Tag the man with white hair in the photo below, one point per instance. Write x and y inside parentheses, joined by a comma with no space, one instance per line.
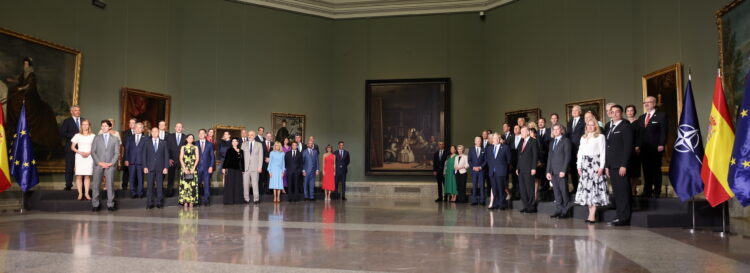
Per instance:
(576,127)
(69,128)
(650,141)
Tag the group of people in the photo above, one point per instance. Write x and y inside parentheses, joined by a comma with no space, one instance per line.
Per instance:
(151,155)
(533,156)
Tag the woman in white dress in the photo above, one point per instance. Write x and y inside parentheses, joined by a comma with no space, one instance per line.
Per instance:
(592,189)
(81,145)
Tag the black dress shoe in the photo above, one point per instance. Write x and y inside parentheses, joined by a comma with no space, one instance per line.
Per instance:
(67,188)
(523,210)
(111,208)
(474,204)
(158,206)
(621,224)
(256,202)
(343,198)
(531,211)
(95,209)
(149,207)
(439,200)
(556,215)
(502,208)
(563,216)
(482,203)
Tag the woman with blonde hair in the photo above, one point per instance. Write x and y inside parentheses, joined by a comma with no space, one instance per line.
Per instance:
(592,188)
(81,145)
(461,167)
(276,170)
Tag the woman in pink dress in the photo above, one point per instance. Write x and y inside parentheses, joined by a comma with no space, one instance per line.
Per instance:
(329,172)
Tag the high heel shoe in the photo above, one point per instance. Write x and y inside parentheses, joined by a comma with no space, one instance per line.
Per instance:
(88,198)
(590,222)
(80,197)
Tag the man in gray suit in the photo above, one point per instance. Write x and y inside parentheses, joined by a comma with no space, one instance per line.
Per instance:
(105,151)
(253,166)
(156,164)
(558,161)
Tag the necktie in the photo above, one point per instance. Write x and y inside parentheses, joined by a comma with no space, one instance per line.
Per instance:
(155,145)
(78,124)
(575,122)
(342,153)
(202,145)
(178,138)
(496,146)
(268,145)
(524,145)
(251,147)
(106,139)
(309,151)
(441,154)
(137,139)
(293,152)
(648,118)
(477,151)
(555,145)
(611,128)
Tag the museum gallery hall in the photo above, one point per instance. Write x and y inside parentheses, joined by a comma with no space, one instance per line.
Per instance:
(375,136)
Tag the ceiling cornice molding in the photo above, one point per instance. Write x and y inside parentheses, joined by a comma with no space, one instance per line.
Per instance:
(348,9)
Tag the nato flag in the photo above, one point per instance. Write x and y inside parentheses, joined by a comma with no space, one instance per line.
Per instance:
(739,164)
(685,168)
(23,165)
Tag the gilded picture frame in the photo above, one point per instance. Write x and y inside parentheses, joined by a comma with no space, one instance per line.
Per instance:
(596,106)
(532,114)
(295,124)
(148,107)
(51,88)
(734,34)
(666,86)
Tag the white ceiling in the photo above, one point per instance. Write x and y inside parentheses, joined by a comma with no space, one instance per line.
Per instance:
(343,9)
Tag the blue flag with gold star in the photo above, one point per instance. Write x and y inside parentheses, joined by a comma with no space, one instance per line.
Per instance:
(739,165)
(23,165)
(687,159)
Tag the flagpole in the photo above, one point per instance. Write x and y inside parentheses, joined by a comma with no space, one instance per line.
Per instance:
(693,229)
(723,233)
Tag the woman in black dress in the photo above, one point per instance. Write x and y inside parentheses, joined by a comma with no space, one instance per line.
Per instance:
(232,168)
(634,165)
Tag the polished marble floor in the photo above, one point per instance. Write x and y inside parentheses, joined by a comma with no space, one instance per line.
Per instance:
(370,235)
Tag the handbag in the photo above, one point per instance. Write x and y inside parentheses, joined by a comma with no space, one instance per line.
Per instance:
(188,176)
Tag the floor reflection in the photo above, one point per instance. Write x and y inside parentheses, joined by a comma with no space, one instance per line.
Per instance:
(188,235)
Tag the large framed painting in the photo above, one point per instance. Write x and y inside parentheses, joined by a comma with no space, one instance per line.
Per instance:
(734,38)
(287,125)
(666,86)
(45,76)
(596,106)
(234,132)
(532,114)
(147,107)
(404,121)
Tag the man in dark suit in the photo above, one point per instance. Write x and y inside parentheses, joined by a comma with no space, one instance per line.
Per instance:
(575,130)
(293,165)
(652,136)
(558,161)
(175,141)
(156,164)
(264,176)
(528,155)
(342,167)
(134,160)
(126,134)
(69,128)
(619,145)
(554,118)
(544,135)
(205,166)
(498,159)
(515,145)
(486,141)
(438,166)
(477,164)
(261,135)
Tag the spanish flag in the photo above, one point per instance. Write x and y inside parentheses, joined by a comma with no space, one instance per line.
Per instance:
(716,160)
(4,170)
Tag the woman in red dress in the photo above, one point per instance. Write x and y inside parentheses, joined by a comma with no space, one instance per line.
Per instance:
(329,172)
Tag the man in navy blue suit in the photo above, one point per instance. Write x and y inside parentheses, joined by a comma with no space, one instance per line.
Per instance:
(205,166)
(293,165)
(498,158)
(477,164)
(342,166)
(134,160)
(310,169)
(175,142)
(69,128)
(156,155)
(576,127)
(438,164)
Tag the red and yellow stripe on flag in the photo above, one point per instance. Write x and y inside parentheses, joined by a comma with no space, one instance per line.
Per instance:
(4,170)
(716,160)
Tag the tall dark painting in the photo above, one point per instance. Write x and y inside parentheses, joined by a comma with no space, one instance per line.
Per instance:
(45,76)
(404,121)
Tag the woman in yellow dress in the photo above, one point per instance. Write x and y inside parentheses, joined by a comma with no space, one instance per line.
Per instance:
(188,183)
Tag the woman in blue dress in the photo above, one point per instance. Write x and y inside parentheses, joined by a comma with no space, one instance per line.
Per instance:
(276,171)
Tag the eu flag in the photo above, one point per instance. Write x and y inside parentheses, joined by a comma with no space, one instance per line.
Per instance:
(685,168)
(23,165)
(739,164)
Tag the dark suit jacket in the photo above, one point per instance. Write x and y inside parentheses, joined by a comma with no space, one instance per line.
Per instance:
(438,163)
(619,145)
(528,157)
(544,138)
(206,156)
(174,147)
(476,160)
(575,134)
(342,164)
(498,165)
(68,129)
(134,153)
(508,138)
(653,135)
(293,165)
(558,159)
(155,161)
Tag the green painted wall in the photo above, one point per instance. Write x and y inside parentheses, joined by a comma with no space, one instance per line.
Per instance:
(230,63)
